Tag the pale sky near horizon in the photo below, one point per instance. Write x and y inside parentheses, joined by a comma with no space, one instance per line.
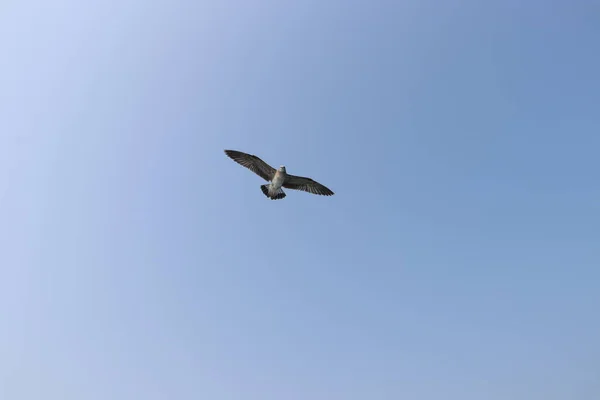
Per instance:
(459,258)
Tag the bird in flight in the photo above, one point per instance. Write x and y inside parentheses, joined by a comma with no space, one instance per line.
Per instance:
(278,178)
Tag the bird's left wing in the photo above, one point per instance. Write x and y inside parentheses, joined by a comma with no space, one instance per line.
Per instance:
(306,184)
(253,163)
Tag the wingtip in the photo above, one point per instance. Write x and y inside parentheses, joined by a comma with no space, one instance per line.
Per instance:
(228,153)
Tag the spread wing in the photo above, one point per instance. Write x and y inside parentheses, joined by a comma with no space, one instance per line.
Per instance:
(253,163)
(306,184)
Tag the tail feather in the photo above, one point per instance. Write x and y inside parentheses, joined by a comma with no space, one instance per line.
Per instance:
(273,195)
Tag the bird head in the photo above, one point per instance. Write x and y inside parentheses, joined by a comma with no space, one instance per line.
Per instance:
(282,168)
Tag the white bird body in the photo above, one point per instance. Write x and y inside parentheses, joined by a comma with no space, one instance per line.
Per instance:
(278,179)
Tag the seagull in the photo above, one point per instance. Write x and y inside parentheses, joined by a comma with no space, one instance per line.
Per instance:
(278,178)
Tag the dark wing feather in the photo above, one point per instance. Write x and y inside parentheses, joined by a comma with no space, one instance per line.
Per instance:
(253,163)
(306,184)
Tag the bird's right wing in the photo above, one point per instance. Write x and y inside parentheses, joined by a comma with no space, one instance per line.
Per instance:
(253,163)
(307,185)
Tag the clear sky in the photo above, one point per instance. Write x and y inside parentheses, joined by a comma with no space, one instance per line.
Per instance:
(458,259)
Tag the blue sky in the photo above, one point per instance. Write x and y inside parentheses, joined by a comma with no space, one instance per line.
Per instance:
(458,259)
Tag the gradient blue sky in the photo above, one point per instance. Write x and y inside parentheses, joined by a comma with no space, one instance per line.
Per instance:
(459,258)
